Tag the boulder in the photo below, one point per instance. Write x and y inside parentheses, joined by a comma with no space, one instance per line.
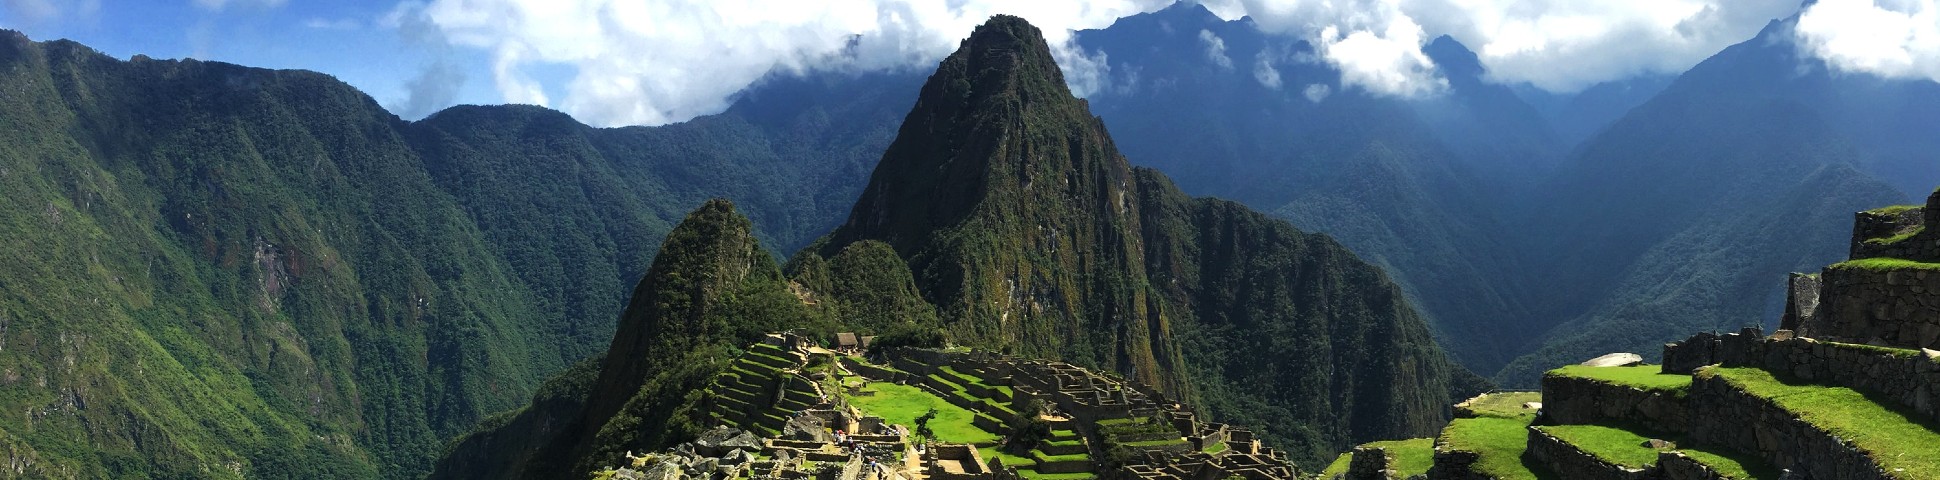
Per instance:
(1615,360)
(807,428)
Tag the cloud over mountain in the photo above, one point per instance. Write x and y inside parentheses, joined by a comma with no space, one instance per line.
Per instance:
(628,62)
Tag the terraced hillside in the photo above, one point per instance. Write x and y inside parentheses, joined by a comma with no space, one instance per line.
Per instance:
(789,408)
(1846,390)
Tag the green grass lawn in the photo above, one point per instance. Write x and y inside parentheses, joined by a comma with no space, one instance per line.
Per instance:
(1216,448)
(1624,447)
(1505,405)
(1644,377)
(1895,440)
(901,404)
(1614,445)
(1412,456)
(1498,442)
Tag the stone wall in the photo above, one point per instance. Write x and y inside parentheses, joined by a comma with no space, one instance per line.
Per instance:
(1575,401)
(1801,300)
(1455,465)
(1723,415)
(1891,307)
(874,372)
(1872,225)
(1575,464)
(1369,463)
(1707,348)
(1678,466)
(1908,377)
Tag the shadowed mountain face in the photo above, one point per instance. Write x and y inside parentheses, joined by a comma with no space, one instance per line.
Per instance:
(1030,233)
(1419,187)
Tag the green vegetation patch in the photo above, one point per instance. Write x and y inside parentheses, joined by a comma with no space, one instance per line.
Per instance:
(1884,264)
(1504,405)
(1893,439)
(1411,457)
(901,404)
(1648,378)
(1892,210)
(1497,442)
(1219,447)
(1888,351)
(1732,465)
(1898,237)
(1339,467)
(1614,445)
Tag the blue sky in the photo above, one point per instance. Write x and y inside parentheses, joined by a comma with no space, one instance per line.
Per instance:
(650,62)
(348,39)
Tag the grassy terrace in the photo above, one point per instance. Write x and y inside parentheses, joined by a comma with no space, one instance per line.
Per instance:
(1895,440)
(997,410)
(1497,435)
(901,404)
(1411,457)
(1884,264)
(1642,377)
(1625,447)
(1504,405)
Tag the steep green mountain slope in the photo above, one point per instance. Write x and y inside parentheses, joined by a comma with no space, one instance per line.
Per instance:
(223,271)
(1031,234)
(712,289)
(1659,242)
(1414,186)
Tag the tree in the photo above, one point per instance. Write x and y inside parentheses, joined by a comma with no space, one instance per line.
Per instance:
(923,424)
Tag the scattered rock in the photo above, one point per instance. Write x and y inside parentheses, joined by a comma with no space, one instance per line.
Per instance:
(1532,405)
(1660,444)
(1615,360)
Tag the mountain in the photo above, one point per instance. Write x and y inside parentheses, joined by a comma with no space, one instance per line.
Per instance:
(221,271)
(1033,235)
(1003,214)
(1658,243)
(1416,186)
(711,289)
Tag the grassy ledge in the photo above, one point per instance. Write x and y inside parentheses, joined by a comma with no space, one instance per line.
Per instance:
(1892,210)
(1412,456)
(1497,442)
(1899,443)
(901,404)
(1648,378)
(1884,264)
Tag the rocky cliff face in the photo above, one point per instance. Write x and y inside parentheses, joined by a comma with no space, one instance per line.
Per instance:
(1033,235)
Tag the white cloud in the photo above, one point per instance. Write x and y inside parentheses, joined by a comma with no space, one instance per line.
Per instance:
(1215,49)
(1388,62)
(656,61)
(332,24)
(1889,38)
(222,4)
(1264,72)
(1559,45)
(652,62)
(1317,92)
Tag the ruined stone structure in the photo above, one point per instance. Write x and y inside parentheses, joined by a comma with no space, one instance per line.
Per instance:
(1889,303)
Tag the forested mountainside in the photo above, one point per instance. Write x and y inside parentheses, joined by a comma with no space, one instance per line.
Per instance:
(220,271)
(1746,167)
(1030,234)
